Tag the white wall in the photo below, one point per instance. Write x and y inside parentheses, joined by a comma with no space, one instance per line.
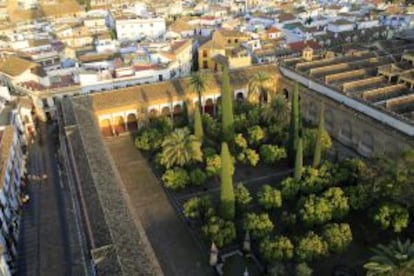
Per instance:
(134,29)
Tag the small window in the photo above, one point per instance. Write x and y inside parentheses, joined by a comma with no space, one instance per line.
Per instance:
(205,65)
(160,77)
(45,103)
(229,41)
(236,41)
(204,53)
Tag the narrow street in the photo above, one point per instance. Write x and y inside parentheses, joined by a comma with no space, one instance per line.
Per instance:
(47,241)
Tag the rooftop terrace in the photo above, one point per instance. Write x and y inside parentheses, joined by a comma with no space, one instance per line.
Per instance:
(380,78)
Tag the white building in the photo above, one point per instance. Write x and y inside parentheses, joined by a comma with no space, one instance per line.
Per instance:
(340,26)
(135,28)
(11,172)
(367,24)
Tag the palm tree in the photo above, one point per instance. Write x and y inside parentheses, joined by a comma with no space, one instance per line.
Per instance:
(180,148)
(198,82)
(259,86)
(277,111)
(395,259)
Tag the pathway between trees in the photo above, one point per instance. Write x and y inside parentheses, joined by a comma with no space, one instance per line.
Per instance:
(172,242)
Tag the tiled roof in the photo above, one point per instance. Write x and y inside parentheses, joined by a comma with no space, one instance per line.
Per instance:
(14,66)
(231,33)
(177,89)
(120,245)
(6,142)
(273,30)
(96,57)
(181,26)
(286,17)
(303,44)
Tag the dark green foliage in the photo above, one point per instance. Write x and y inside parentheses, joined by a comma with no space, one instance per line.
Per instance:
(338,236)
(350,171)
(198,125)
(277,134)
(270,154)
(181,148)
(227,205)
(198,177)
(311,247)
(151,137)
(290,188)
(277,112)
(302,269)
(315,210)
(318,145)
(249,156)
(269,198)
(255,135)
(299,161)
(209,151)
(213,165)
(183,119)
(227,120)
(289,219)
(221,232)
(310,137)
(242,196)
(396,258)
(392,177)
(211,127)
(315,180)
(176,178)
(276,249)
(294,124)
(338,201)
(359,196)
(258,225)
(198,208)
(278,269)
(240,141)
(393,216)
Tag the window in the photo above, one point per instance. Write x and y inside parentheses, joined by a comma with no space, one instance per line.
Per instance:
(204,53)
(236,41)
(205,64)
(45,103)
(229,41)
(160,77)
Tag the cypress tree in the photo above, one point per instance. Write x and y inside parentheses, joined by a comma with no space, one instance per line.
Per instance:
(298,160)
(294,123)
(227,120)
(227,208)
(318,145)
(198,125)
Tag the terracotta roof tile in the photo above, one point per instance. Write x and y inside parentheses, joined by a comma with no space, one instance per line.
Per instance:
(14,66)
(178,89)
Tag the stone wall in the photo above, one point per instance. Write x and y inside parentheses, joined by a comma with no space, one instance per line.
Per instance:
(362,133)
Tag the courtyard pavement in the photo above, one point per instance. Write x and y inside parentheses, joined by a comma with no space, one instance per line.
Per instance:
(176,249)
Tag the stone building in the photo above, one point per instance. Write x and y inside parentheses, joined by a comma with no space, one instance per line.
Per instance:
(117,244)
(368,96)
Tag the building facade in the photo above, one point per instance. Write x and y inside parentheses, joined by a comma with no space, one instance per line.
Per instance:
(139,28)
(12,170)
